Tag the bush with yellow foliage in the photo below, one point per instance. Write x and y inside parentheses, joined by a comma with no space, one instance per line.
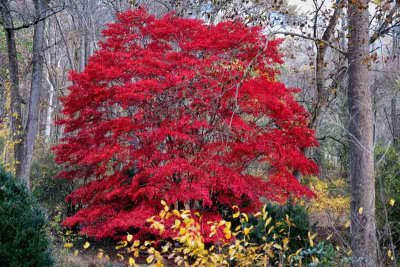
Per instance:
(331,195)
(238,245)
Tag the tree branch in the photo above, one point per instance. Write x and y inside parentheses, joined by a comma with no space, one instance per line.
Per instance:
(383,28)
(312,39)
(35,21)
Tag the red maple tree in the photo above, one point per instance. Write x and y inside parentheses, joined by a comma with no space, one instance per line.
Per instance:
(175,109)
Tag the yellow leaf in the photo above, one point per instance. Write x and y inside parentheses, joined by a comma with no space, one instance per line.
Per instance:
(227,230)
(162,228)
(177,223)
(389,253)
(228,235)
(122,244)
(270,230)
(236,215)
(329,237)
(165,248)
(182,231)
(120,257)
(162,214)
(86,245)
(391,202)
(68,245)
(163,203)
(176,212)
(314,259)
(76,252)
(360,211)
(268,221)
(347,224)
(246,231)
(321,44)
(131,261)
(311,239)
(136,243)
(129,237)
(150,259)
(245,217)
(277,246)
(285,243)
(349,252)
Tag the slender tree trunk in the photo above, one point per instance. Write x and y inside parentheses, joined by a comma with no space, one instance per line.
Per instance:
(34,98)
(362,183)
(49,111)
(15,114)
(82,53)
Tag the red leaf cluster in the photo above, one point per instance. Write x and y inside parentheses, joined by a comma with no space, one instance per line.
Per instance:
(171,108)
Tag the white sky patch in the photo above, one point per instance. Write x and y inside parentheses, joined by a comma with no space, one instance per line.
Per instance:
(303,5)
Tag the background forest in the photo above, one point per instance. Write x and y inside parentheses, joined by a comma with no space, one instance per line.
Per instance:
(343,55)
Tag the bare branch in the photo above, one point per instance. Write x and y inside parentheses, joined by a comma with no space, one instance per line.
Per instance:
(36,20)
(312,39)
(383,28)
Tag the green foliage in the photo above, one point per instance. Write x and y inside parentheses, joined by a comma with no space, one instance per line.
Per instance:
(47,189)
(289,220)
(23,227)
(389,173)
(324,252)
(290,224)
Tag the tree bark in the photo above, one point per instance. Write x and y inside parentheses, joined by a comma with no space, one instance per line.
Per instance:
(34,98)
(15,114)
(49,111)
(362,182)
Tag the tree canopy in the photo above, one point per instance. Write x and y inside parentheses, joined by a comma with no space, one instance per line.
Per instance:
(176,109)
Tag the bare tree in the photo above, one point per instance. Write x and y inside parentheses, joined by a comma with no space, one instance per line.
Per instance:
(13,68)
(36,87)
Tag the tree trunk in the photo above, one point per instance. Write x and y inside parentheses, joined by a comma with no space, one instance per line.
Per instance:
(49,111)
(82,52)
(15,114)
(362,183)
(34,98)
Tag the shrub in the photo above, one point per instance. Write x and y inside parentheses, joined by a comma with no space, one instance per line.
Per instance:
(235,246)
(46,188)
(290,221)
(171,108)
(23,233)
(331,195)
(389,173)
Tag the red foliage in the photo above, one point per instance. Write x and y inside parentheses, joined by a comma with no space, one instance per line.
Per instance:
(175,109)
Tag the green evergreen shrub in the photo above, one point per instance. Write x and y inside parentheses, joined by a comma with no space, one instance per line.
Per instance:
(290,222)
(23,227)
(297,230)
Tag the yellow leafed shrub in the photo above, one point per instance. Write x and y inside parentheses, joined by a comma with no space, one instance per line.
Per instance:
(236,247)
(331,195)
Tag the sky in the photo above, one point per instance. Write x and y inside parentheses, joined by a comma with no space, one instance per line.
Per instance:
(303,5)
